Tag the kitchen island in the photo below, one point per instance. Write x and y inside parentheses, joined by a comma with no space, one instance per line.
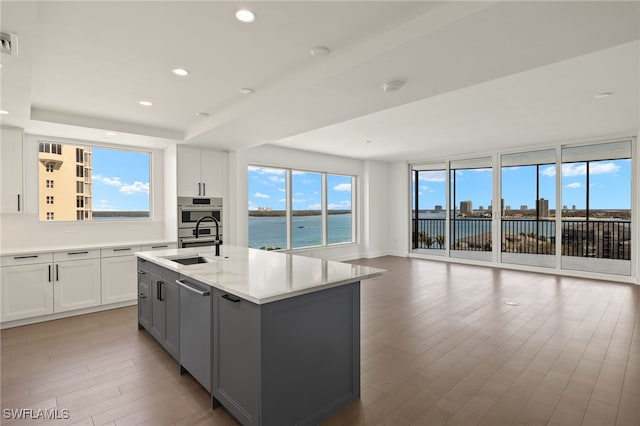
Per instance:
(274,337)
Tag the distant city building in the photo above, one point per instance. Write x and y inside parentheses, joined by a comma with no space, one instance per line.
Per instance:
(64,174)
(481,208)
(438,208)
(264,209)
(489,207)
(543,207)
(524,207)
(573,207)
(466,207)
(565,208)
(507,208)
(502,208)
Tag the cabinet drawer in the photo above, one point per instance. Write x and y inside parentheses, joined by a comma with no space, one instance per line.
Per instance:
(26,259)
(63,256)
(159,246)
(119,251)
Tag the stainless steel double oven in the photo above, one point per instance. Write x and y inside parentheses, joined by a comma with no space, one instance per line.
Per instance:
(190,210)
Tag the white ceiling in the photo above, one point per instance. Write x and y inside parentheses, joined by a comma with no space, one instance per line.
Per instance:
(479,75)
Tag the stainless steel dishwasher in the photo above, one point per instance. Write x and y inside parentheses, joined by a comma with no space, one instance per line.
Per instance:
(195,331)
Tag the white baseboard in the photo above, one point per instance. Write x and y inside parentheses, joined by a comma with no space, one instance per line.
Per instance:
(43,318)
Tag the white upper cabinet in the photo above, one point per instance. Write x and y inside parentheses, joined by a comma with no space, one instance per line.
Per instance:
(11,172)
(200,172)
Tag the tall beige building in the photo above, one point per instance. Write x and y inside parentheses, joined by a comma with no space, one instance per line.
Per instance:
(543,207)
(64,174)
(466,207)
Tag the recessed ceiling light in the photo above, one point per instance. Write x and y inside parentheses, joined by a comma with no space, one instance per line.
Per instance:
(247,91)
(392,86)
(180,71)
(110,133)
(145,103)
(319,51)
(604,95)
(202,114)
(3,112)
(245,15)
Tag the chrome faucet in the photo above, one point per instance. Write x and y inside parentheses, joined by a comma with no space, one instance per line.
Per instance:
(217,242)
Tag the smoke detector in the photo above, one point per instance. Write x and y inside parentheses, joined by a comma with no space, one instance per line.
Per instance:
(392,86)
(9,43)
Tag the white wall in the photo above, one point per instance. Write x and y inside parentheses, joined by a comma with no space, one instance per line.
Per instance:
(399,190)
(371,195)
(25,232)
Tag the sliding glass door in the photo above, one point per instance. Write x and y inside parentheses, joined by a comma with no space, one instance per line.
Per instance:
(429,200)
(528,227)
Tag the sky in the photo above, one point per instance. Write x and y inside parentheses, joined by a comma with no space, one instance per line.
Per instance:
(609,186)
(120,180)
(267,188)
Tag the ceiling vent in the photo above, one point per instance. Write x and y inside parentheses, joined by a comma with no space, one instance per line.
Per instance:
(9,43)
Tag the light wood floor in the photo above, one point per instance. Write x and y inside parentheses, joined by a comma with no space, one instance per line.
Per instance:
(439,346)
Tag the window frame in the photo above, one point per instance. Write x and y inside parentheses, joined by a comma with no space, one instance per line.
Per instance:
(323,210)
(85,145)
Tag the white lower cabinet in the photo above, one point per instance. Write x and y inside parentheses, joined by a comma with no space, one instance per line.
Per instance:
(77,285)
(119,274)
(27,291)
(38,284)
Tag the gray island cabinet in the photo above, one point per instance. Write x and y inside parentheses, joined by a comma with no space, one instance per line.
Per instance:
(274,337)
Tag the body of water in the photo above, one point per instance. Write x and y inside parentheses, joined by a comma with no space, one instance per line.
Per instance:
(306,231)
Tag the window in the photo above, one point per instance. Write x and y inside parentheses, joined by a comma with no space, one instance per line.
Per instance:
(471,206)
(339,209)
(297,208)
(306,209)
(429,200)
(528,187)
(120,182)
(596,211)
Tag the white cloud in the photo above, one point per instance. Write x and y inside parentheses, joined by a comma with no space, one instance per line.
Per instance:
(282,200)
(111,181)
(136,187)
(261,195)
(433,176)
(342,187)
(297,200)
(277,179)
(103,205)
(314,207)
(574,185)
(580,169)
(281,189)
(340,205)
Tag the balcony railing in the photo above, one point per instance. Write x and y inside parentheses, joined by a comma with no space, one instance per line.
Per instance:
(604,239)
(529,236)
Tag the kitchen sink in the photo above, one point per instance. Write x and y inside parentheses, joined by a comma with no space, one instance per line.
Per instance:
(191,260)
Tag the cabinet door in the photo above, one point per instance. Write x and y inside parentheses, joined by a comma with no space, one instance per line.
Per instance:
(212,174)
(156,323)
(236,359)
(144,298)
(77,285)
(27,291)
(118,279)
(189,178)
(171,340)
(11,194)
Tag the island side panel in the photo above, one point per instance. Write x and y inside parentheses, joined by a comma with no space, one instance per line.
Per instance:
(310,355)
(236,357)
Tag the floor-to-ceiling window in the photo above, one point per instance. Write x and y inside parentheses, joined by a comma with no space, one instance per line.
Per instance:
(596,210)
(470,208)
(429,200)
(528,227)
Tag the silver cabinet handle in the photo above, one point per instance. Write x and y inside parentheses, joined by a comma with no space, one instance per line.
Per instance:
(18,202)
(77,252)
(199,188)
(204,188)
(188,287)
(35,256)
(122,249)
(155,247)
(142,296)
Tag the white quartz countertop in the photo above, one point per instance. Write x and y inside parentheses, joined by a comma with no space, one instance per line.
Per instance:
(62,247)
(261,276)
